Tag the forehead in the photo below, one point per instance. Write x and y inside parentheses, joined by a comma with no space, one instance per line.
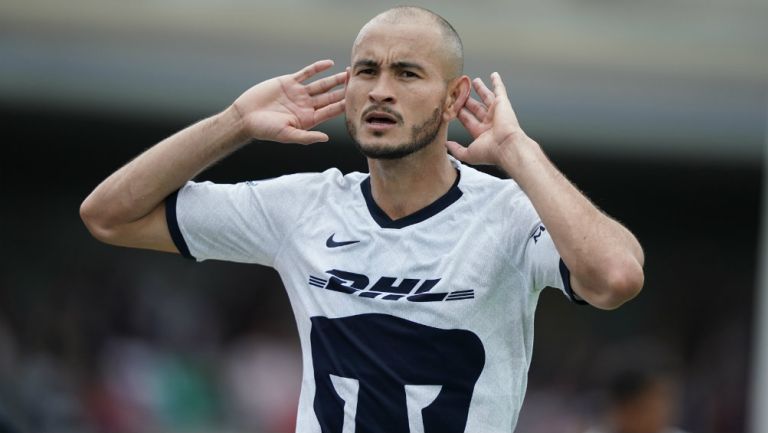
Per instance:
(388,42)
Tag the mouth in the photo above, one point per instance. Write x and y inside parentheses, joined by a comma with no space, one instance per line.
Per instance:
(379,120)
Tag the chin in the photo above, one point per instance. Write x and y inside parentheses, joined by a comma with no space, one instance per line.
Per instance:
(376,150)
(391,144)
(388,151)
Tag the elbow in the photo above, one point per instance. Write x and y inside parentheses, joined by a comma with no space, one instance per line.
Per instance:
(624,285)
(617,287)
(95,221)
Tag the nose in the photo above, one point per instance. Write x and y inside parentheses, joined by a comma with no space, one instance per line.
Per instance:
(382,91)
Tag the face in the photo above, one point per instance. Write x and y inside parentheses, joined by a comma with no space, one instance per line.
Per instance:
(397,92)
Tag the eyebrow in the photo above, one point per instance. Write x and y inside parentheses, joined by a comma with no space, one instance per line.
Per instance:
(395,65)
(407,65)
(366,62)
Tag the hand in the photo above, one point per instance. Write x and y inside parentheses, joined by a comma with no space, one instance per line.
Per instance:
(283,109)
(492,124)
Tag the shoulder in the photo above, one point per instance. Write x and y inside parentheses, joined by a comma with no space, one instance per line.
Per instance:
(482,186)
(331,178)
(493,199)
(296,184)
(294,192)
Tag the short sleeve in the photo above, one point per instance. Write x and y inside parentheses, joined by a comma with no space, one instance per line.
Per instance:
(544,265)
(245,222)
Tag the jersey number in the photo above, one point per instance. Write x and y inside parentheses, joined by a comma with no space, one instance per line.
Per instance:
(376,373)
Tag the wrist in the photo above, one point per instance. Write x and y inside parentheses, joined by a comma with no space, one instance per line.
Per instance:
(518,151)
(233,120)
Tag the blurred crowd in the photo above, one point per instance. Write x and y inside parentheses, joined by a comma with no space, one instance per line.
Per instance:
(154,361)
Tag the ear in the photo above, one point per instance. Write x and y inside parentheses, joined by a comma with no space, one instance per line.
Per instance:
(458,93)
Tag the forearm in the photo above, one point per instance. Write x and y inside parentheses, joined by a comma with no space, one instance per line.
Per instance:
(604,258)
(137,188)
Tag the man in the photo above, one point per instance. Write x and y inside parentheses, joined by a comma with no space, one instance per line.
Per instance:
(414,287)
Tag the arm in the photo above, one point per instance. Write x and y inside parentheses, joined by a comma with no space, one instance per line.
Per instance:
(604,258)
(127,208)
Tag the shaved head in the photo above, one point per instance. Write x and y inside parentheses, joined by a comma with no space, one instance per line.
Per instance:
(452,48)
(404,83)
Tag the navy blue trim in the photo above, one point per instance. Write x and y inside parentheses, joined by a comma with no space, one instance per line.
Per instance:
(385,222)
(565,274)
(173,225)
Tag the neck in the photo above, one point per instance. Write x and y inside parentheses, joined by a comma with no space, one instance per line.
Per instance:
(403,186)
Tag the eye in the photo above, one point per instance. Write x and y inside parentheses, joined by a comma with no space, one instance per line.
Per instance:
(408,74)
(366,71)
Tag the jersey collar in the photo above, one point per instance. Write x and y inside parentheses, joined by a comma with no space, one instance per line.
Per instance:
(384,221)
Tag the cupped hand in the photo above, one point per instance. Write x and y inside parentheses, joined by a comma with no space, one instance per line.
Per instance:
(284,109)
(492,124)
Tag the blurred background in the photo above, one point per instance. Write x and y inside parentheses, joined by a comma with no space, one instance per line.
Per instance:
(655,109)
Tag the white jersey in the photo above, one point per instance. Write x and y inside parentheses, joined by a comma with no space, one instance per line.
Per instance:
(421,324)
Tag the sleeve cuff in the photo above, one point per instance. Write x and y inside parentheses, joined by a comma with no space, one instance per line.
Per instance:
(173,226)
(565,274)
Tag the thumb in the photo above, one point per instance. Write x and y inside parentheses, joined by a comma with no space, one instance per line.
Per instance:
(301,136)
(457,150)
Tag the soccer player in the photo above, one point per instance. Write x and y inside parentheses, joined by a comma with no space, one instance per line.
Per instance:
(414,286)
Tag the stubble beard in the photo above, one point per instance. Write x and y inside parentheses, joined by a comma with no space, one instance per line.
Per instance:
(421,136)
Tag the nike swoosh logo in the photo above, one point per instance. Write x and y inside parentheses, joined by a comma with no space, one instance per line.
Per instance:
(330,243)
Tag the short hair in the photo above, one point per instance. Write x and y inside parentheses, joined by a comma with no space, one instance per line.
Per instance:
(454,47)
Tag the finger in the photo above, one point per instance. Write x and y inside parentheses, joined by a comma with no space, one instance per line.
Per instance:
(499,90)
(326,84)
(314,68)
(470,122)
(476,108)
(458,151)
(329,112)
(324,99)
(483,91)
(300,136)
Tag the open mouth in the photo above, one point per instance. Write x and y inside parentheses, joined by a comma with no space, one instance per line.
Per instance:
(378,118)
